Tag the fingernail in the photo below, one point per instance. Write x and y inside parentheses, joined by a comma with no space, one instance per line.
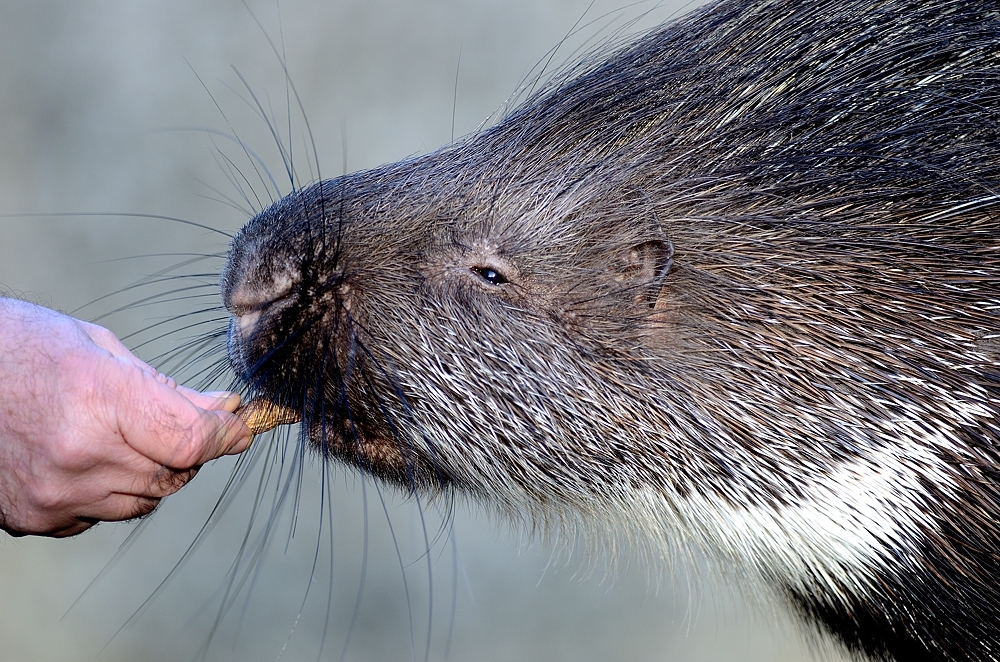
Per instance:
(228,401)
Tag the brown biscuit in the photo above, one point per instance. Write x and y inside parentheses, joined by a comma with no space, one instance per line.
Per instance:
(261,415)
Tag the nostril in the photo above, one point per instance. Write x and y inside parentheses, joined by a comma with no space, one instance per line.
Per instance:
(250,302)
(248,299)
(246,322)
(247,290)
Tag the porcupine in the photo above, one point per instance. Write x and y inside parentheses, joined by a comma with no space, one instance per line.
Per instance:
(736,283)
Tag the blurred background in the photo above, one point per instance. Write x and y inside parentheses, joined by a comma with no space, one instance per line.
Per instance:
(124,106)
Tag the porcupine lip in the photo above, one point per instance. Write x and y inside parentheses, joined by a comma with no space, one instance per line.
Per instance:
(365,444)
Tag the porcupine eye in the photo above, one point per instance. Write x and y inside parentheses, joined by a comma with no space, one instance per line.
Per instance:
(490,275)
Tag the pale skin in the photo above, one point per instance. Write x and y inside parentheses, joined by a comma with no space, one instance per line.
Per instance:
(90,433)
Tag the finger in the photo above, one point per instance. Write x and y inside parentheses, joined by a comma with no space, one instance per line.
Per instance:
(109,342)
(162,424)
(113,508)
(75,527)
(143,478)
(221,400)
(119,508)
(166,481)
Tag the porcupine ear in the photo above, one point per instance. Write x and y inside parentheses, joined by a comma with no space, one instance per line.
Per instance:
(645,252)
(644,268)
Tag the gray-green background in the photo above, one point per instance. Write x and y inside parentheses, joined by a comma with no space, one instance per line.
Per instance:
(100,110)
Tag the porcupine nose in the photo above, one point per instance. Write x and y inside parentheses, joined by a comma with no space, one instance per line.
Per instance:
(248,305)
(254,289)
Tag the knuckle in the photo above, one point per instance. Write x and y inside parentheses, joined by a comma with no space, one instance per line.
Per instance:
(71,451)
(196,443)
(68,451)
(47,496)
(100,334)
(188,452)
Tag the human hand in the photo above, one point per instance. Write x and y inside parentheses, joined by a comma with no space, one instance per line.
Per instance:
(88,432)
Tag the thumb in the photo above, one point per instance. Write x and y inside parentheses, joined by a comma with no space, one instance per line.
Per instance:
(165,426)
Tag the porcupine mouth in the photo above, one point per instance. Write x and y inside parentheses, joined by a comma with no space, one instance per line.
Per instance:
(362,442)
(351,429)
(339,419)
